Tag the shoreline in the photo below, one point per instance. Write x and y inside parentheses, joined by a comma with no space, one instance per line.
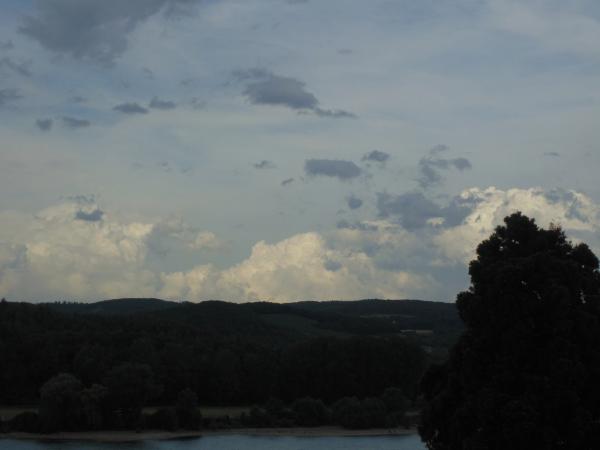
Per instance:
(154,435)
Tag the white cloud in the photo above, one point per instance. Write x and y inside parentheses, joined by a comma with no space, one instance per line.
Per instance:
(52,255)
(576,213)
(295,269)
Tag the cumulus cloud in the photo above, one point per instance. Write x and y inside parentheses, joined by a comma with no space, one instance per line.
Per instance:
(157,103)
(432,165)
(74,123)
(44,124)
(343,170)
(354,202)
(9,95)
(55,255)
(303,266)
(376,156)
(264,164)
(130,108)
(266,88)
(575,212)
(89,29)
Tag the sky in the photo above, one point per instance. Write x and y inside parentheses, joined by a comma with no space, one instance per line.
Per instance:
(286,150)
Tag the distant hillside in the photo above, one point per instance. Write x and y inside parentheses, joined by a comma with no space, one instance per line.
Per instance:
(228,353)
(119,306)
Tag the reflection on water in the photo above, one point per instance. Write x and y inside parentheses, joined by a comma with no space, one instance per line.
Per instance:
(235,443)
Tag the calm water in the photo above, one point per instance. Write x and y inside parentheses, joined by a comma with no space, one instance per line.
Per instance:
(235,443)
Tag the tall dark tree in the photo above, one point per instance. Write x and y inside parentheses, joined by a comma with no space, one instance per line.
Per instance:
(524,375)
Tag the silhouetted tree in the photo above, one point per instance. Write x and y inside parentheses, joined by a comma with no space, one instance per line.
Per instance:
(94,405)
(130,386)
(188,414)
(310,412)
(60,403)
(524,375)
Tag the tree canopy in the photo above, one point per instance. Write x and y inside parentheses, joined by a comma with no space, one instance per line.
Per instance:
(524,374)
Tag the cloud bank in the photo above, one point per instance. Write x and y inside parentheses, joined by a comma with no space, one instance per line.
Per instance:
(76,250)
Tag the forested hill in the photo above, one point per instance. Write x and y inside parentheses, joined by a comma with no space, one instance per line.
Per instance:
(352,317)
(227,353)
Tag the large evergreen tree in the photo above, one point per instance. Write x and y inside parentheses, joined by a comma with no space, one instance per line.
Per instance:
(526,372)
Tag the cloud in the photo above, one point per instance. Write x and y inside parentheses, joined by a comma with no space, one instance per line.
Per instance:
(77,99)
(575,212)
(413,210)
(283,91)
(23,68)
(264,164)
(431,166)
(343,170)
(130,108)
(157,103)
(303,266)
(266,88)
(376,156)
(552,154)
(354,202)
(90,29)
(74,123)
(91,216)
(44,124)
(287,181)
(52,256)
(334,113)
(9,95)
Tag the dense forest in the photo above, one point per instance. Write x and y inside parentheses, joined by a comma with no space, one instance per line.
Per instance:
(138,352)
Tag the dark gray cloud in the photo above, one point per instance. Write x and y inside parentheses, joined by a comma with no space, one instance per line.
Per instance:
(264,164)
(198,103)
(376,156)
(82,199)
(345,225)
(44,124)
(276,90)
(413,210)
(9,95)
(287,181)
(91,29)
(157,103)
(77,99)
(334,113)
(74,123)
(332,266)
(553,154)
(130,108)
(22,68)
(92,216)
(432,165)
(354,202)
(266,88)
(148,73)
(343,170)
(345,51)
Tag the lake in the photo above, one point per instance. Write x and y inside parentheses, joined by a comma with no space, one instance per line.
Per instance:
(235,442)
